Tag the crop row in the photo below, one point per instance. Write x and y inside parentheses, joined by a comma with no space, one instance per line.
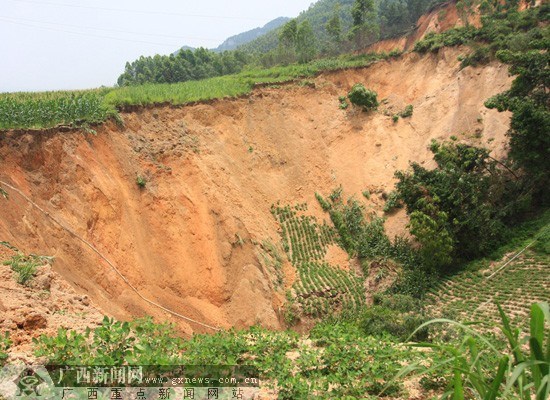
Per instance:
(304,239)
(474,296)
(324,289)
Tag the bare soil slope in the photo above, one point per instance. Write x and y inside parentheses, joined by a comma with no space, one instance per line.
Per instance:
(190,239)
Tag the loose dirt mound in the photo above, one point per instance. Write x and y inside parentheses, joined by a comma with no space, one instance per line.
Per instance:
(45,305)
(188,239)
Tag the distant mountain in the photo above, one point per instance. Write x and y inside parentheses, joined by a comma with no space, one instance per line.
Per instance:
(242,38)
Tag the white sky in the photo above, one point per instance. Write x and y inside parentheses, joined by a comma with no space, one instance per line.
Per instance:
(79,44)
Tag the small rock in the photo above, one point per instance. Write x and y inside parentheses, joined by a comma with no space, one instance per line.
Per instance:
(42,282)
(85,300)
(34,321)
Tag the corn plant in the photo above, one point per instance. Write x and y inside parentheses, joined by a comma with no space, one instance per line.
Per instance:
(478,368)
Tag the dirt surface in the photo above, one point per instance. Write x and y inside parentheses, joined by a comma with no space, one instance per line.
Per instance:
(440,18)
(45,305)
(188,239)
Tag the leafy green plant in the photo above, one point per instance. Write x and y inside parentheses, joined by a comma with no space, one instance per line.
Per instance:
(113,343)
(407,111)
(393,202)
(25,266)
(5,344)
(477,365)
(141,181)
(363,97)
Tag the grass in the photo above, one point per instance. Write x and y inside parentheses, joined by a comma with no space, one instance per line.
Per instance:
(25,267)
(80,108)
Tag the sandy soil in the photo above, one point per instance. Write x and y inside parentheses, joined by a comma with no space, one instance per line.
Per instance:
(188,239)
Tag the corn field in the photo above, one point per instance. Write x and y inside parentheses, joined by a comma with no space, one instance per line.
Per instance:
(49,109)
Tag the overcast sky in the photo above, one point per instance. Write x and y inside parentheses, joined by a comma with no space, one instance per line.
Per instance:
(79,44)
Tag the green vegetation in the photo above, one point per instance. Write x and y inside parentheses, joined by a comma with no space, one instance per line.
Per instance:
(364,29)
(25,266)
(5,344)
(407,111)
(47,110)
(336,23)
(457,201)
(473,293)
(478,366)
(363,97)
(333,361)
(322,288)
(43,110)
(141,181)
(140,342)
(184,66)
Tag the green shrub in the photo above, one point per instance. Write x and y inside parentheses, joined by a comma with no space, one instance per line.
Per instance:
(363,97)
(393,202)
(395,53)
(379,320)
(399,302)
(407,112)
(452,37)
(542,244)
(325,205)
(141,181)
(481,55)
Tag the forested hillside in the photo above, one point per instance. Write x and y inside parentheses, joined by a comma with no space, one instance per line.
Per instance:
(393,17)
(327,28)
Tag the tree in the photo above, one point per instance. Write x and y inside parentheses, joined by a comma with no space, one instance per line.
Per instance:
(430,227)
(468,188)
(394,17)
(364,28)
(288,38)
(305,42)
(528,99)
(334,29)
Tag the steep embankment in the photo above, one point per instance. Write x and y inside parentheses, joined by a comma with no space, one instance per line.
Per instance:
(190,239)
(440,18)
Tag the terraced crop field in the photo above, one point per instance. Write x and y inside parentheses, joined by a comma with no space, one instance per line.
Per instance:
(321,287)
(473,296)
